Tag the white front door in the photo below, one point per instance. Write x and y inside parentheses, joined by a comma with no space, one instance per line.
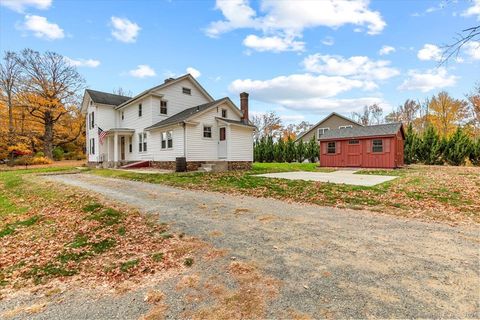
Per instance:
(222,143)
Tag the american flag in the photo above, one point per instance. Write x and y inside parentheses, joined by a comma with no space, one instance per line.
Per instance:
(101,135)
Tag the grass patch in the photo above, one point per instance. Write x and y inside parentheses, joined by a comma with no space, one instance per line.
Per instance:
(11,227)
(39,273)
(107,217)
(125,266)
(92,207)
(157,257)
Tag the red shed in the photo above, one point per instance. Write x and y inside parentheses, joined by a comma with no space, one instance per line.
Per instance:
(379,146)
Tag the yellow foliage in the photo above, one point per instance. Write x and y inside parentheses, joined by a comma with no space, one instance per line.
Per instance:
(40,160)
(446,113)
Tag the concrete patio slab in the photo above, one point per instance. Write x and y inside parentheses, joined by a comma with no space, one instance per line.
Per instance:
(340,176)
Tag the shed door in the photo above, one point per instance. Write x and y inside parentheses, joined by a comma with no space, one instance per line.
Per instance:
(354,153)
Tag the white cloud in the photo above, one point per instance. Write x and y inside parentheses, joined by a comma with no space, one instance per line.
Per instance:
(430,52)
(328,41)
(472,49)
(90,63)
(386,50)
(292,117)
(124,30)
(142,71)
(288,19)
(357,67)
(194,72)
(429,80)
(274,43)
(42,28)
(474,10)
(21,5)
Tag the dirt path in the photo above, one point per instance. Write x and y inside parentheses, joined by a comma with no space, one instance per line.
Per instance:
(331,263)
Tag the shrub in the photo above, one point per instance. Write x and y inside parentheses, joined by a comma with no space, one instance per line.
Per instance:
(458,148)
(431,147)
(39,154)
(474,155)
(58,154)
(40,160)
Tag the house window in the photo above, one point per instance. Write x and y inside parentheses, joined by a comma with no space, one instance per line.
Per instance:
(140,110)
(123,115)
(130,145)
(142,142)
(377,145)
(345,127)
(207,132)
(187,90)
(321,131)
(331,147)
(167,140)
(92,146)
(163,107)
(92,120)
(224,113)
(353,142)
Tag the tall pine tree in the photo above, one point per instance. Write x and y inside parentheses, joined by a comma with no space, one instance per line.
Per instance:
(279,151)
(458,148)
(290,150)
(300,151)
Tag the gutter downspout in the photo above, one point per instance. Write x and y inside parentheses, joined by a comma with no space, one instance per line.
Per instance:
(185,140)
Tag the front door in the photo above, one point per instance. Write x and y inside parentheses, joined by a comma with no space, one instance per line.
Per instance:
(122,148)
(222,143)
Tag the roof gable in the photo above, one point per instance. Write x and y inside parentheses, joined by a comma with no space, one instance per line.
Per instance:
(318,124)
(165,84)
(388,129)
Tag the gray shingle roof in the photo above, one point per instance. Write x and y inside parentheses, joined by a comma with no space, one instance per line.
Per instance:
(185,114)
(106,98)
(249,124)
(366,131)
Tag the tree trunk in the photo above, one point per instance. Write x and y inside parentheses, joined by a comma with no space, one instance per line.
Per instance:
(48,135)
(11,133)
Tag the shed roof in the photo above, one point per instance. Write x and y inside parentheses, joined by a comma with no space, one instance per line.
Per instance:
(106,98)
(388,129)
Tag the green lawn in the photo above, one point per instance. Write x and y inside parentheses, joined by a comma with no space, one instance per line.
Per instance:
(437,193)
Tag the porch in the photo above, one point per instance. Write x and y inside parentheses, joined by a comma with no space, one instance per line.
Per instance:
(116,144)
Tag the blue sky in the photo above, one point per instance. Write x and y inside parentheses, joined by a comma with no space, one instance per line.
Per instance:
(302,59)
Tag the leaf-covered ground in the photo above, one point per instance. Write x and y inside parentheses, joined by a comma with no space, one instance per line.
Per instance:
(440,193)
(51,232)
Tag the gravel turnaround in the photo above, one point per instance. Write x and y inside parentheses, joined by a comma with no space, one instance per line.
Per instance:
(331,262)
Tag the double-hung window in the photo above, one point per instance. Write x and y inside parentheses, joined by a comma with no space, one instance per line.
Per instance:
(92,146)
(130,145)
(207,131)
(92,120)
(321,131)
(377,145)
(331,147)
(224,113)
(186,91)
(167,140)
(142,142)
(140,110)
(163,107)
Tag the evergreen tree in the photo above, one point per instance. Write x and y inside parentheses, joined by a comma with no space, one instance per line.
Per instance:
(269,149)
(430,148)
(290,150)
(411,147)
(300,151)
(475,153)
(261,150)
(279,151)
(256,149)
(312,150)
(458,148)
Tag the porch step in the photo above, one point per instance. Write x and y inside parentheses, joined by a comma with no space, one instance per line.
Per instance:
(138,164)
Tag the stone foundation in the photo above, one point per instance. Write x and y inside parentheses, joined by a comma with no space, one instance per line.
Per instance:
(165,165)
(239,165)
(171,165)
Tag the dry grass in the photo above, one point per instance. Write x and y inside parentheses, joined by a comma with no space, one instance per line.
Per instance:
(158,309)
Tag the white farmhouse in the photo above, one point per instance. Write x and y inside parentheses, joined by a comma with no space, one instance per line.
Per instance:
(167,126)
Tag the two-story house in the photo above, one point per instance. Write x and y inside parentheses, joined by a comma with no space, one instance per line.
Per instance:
(178,119)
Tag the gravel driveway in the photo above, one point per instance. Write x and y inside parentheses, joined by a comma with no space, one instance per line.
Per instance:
(331,262)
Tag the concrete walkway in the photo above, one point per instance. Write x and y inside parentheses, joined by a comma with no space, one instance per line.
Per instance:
(340,176)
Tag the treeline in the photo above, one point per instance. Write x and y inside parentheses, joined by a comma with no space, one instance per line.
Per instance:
(431,148)
(266,149)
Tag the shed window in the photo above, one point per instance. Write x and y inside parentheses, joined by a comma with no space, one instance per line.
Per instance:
(163,107)
(377,145)
(353,142)
(207,131)
(321,131)
(140,110)
(186,91)
(331,147)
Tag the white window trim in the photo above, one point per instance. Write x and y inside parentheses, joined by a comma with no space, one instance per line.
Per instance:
(226,113)
(345,127)
(140,113)
(190,91)
(166,141)
(382,145)
(211,132)
(335,147)
(160,108)
(142,139)
(318,131)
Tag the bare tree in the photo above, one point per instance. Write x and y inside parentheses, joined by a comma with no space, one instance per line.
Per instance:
(474,108)
(465,36)
(10,75)
(122,92)
(51,88)
(372,114)
(268,124)
(405,113)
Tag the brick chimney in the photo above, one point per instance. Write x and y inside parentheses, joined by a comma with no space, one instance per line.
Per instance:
(244,106)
